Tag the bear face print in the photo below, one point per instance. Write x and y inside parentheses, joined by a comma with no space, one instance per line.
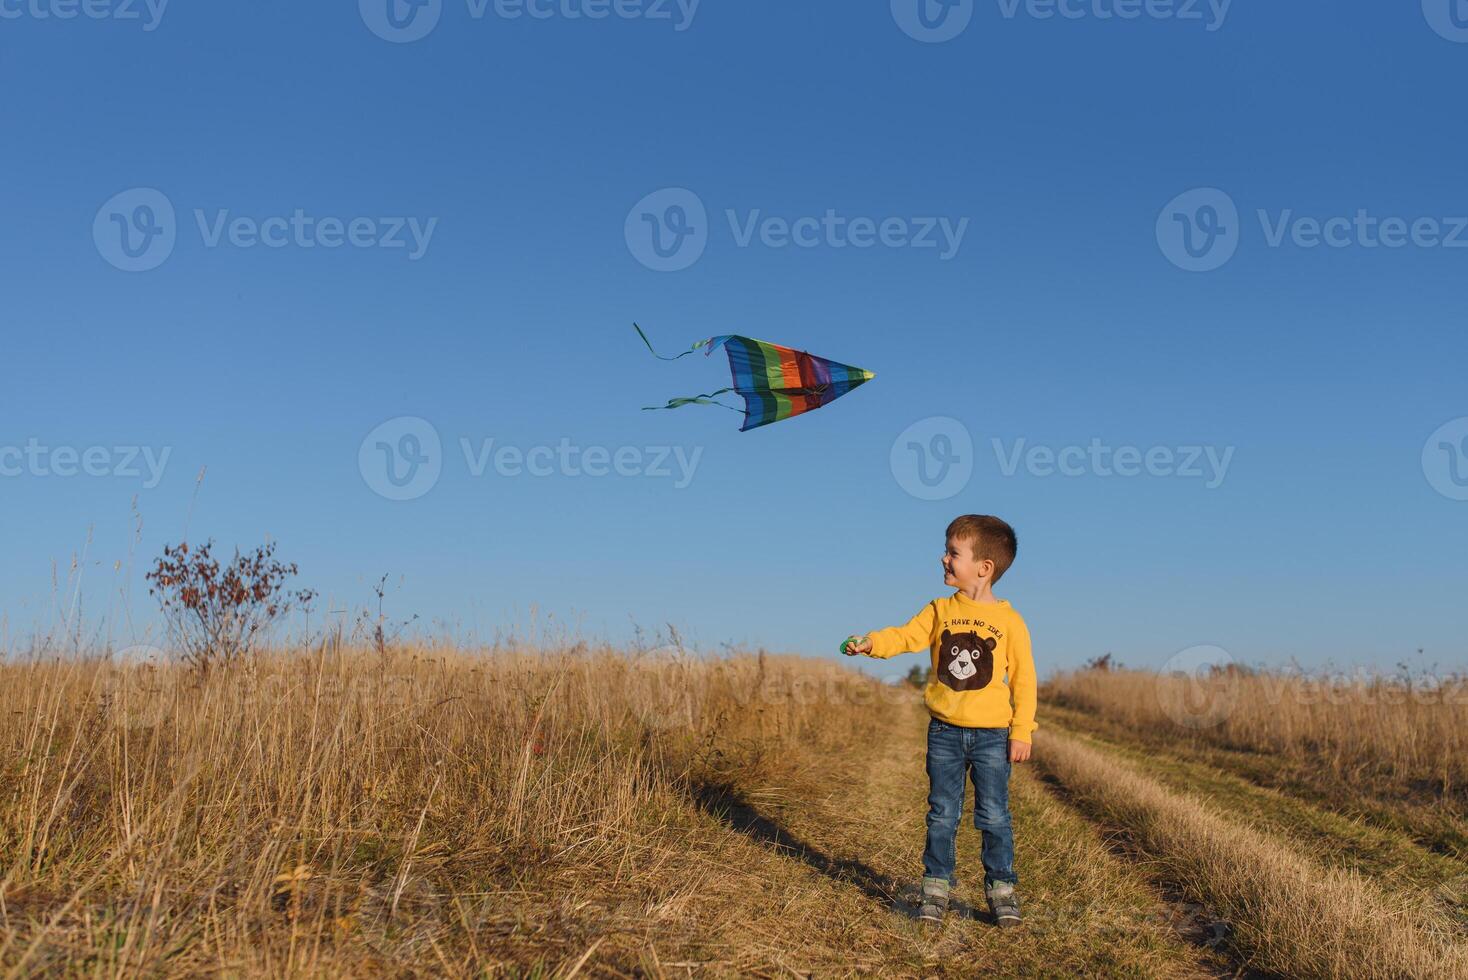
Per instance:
(963,665)
(966,660)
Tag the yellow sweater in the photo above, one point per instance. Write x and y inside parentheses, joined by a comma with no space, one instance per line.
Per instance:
(981,659)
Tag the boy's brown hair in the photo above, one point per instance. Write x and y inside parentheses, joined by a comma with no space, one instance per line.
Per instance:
(987,537)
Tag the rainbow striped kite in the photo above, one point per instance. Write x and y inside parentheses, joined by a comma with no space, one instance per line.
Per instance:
(776,382)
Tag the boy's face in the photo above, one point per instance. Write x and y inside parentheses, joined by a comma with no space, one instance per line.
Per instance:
(961,569)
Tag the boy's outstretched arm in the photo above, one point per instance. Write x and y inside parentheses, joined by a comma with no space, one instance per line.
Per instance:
(889,642)
(1022,692)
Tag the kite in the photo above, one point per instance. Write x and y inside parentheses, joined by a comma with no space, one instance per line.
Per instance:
(776,382)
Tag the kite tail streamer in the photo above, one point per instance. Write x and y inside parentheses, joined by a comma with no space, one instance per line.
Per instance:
(710,344)
(709,399)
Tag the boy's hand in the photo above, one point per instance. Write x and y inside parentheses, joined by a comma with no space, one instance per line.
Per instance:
(1019,751)
(856,644)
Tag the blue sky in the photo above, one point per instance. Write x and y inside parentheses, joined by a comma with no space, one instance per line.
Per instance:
(1073,160)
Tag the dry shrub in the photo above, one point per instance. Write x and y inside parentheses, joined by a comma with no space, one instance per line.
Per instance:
(218,613)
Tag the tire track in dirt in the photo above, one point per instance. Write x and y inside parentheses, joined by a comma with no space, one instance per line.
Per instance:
(1290,913)
(862,828)
(1437,827)
(1328,836)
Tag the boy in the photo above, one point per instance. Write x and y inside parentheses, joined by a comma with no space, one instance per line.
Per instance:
(981,659)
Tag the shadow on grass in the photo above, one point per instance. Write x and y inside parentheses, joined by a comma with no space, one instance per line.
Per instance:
(727,804)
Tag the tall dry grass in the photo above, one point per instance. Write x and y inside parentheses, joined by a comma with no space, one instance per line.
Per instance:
(339,812)
(1359,729)
(1291,916)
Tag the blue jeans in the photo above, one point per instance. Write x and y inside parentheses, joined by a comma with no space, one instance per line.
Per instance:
(983,755)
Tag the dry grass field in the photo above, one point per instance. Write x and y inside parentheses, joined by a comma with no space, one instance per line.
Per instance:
(601,813)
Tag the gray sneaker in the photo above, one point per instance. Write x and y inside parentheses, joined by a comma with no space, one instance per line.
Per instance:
(1003,904)
(935,900)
